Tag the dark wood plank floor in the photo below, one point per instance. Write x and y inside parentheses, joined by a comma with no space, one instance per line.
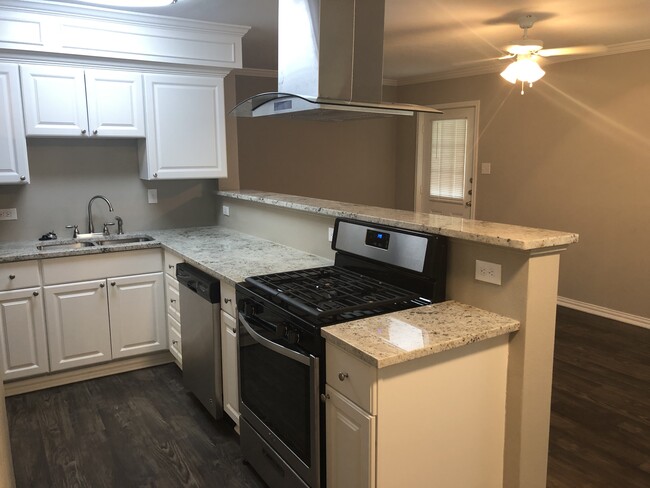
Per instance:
(141,429)
(138,429)
(600,410)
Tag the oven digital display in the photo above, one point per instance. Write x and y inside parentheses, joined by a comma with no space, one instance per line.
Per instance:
(377,239)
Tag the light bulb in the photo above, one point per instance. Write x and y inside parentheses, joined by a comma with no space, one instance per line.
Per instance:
(524,69)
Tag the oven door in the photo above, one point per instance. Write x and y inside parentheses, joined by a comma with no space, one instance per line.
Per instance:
(279,399)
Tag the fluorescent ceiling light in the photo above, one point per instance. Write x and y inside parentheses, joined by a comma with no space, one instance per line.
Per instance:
(131,3)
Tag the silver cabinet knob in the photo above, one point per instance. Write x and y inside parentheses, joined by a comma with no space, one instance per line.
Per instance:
(95,132)
(324,397)
(12,276)
(112,283)
(35,293)
(102,285)
(227,300)
(342,376)
(155,175)
(23,178)
(172,300)
(83,131)
(174,342)
(170,266)
(468,204)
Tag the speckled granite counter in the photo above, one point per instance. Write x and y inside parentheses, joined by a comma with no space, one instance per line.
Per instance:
(385,340)
(226,254)
(512,236)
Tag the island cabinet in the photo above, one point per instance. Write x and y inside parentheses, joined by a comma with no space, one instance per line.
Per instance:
(438,420)
(185,127)
(103,307)
(23,343)
(13,146)
(173,307)
(76,102)
(229,353)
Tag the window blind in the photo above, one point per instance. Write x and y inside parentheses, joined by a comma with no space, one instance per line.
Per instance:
(448,154)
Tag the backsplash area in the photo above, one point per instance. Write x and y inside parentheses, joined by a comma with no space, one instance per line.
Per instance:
(66,173)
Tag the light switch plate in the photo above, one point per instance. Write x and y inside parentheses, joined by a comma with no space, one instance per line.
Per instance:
(226,210)
(330,233)
(152,195)
(486,168)
(8,214)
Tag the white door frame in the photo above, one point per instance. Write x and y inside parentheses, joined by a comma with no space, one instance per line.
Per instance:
(419,156)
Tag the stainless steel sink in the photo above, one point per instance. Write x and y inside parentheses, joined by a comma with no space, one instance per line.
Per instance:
(93,242)
(52,246)
(116,240)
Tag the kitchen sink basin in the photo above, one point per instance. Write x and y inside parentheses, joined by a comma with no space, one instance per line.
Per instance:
(52,246)
(116,240)
(93,242)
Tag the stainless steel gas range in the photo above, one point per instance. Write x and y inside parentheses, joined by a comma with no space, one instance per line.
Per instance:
(377,269)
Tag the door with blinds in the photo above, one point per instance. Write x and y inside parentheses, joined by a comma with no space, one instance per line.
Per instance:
(446,156)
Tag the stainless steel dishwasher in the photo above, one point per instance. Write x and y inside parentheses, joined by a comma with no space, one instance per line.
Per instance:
(200,330)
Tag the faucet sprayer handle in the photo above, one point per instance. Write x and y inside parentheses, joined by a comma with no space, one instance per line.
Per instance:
(106,224)
(75,232)
(120,227)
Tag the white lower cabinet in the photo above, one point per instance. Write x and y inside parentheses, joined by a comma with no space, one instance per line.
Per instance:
(229,353)
(173,307)
(137,314)
(23,343)
(350,443)
(437,421)
(78,327)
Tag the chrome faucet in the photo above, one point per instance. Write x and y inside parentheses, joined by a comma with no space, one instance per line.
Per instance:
(91,227)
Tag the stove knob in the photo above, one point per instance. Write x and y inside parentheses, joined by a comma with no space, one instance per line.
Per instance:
(292,336)
(280,330)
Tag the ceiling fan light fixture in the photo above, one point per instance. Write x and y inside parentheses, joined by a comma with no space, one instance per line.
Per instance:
(131,3)
(525,70)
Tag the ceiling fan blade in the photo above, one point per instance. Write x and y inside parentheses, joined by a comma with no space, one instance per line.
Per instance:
(563,51)
(484,60)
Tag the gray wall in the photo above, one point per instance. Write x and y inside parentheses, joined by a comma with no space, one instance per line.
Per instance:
(66,173)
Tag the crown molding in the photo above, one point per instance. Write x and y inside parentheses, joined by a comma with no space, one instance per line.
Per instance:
(613,49)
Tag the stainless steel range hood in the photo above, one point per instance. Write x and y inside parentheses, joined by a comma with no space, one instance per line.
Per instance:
(330,63)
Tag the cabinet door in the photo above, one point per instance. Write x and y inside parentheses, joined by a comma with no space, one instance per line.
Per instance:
(13,146)
(54,100)
(350,439)
(185,125)
(137,313)
(229,366)
(115,103)
(77,324)
(23,346)
(175,340)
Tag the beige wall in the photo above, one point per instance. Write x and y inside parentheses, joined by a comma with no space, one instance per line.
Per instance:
(65,174)
(572,154)
(352,161)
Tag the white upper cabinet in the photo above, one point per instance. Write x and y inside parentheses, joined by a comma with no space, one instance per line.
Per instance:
(13,147)
(186,132)
(64,101)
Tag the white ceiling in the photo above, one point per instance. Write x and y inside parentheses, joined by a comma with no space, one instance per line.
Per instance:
(437,38)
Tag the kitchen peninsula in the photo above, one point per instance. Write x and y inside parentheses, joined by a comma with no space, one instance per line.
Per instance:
(268,232)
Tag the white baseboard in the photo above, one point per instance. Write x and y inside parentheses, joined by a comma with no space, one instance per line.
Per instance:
(609,313)
(27,385)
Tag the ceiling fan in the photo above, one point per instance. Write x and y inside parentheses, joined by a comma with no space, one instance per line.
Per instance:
(525,52)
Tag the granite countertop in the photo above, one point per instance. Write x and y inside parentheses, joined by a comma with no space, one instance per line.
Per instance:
(504,235)
(226,254)
(396,337)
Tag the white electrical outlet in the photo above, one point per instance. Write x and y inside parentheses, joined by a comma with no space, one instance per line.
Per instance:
(488,272)
(152,195)
(226,210)
(330,233)
(8,214)
(486,168)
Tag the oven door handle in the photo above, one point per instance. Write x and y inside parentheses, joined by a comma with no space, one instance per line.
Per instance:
(284,351)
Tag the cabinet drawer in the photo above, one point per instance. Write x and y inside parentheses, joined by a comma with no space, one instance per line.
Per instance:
(228,304)
(171,260)
(19,275)
(351,377)
(175,343)
(173,299)
(97,266)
